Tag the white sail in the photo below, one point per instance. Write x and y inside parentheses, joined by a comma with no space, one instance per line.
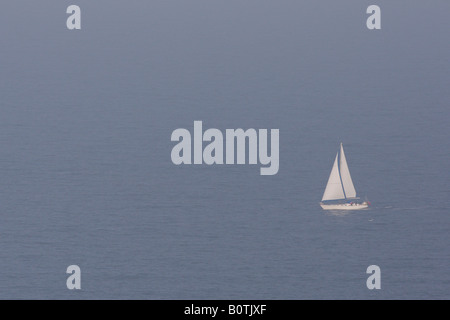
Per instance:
(347,182)
(334,190)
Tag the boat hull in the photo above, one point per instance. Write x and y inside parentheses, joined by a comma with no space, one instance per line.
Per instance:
(344,206)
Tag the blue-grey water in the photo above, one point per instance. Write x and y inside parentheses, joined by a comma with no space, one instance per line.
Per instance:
(87,178)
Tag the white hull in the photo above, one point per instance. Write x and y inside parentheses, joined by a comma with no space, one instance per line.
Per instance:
(344,206)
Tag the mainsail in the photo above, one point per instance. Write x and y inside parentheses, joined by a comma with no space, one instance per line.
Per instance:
(340,185)
(347,183)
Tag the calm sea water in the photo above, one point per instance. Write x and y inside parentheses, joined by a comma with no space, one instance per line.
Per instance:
(87,179)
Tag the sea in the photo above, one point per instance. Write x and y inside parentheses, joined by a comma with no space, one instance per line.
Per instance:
(86,176)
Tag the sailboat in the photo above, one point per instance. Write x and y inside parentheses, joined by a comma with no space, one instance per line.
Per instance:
(340,193)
